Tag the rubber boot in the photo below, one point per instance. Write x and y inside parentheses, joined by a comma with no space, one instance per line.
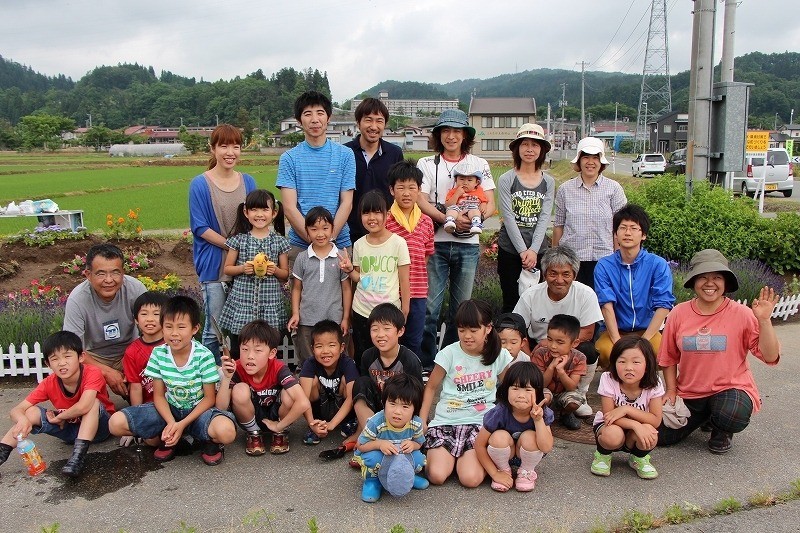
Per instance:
(5,451)
(583,388)
(372,489)
(76,461)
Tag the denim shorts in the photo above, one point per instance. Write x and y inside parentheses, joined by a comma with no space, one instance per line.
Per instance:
(145,422)
(70,431)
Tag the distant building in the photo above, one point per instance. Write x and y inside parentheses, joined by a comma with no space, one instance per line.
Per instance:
(496,121)
(792,130)
(341,128)
(411,107)
(668,132)
(147,150)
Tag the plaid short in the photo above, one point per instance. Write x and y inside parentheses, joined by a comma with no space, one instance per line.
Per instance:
(728,411)
(562,399)
(455,439)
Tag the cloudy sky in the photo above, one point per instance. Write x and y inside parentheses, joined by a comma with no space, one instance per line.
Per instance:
(362,42)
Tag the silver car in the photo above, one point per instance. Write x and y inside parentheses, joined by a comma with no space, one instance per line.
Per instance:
(777,173)
(648,164)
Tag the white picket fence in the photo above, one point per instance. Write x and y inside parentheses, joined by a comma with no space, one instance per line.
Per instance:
(27,362)
(786,306)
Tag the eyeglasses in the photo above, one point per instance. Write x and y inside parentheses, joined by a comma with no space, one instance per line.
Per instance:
(116,275)
(629,229)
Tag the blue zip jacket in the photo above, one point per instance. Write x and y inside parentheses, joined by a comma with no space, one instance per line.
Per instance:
(636,290)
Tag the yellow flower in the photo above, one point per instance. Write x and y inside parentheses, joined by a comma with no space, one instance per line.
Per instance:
(120,220)
(131,213)
(109,223)
(109,216)
(138,229)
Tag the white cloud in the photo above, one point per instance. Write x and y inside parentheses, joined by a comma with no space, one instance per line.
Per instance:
(362,42)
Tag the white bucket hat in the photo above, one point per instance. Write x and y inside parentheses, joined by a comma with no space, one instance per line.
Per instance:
(592,146)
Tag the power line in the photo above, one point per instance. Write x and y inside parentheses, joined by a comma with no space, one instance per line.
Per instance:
(621,22)
(612,58)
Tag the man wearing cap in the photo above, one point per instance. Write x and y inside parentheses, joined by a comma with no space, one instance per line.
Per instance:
(374,156)
(704,353)
(526,204)
(455,259)
(585,206)
(561,294)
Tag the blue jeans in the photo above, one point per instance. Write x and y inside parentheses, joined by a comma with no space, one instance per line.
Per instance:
(457,263)
(144,420)
(70,431)
(213,302)
(415,324)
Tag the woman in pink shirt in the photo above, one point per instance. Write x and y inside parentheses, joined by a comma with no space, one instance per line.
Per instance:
(704,353)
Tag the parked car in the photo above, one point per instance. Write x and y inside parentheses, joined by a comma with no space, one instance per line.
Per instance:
(651,164)
(778,173)
(676,164)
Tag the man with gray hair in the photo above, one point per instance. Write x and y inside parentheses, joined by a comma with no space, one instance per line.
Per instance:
(561,294)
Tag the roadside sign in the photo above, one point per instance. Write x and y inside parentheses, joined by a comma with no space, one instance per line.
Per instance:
(790,146)
(757,142)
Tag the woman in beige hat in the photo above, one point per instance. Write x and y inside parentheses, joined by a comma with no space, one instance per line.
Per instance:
(704,352)
(526,204)
(585,206)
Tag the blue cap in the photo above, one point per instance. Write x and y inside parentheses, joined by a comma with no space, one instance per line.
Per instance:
(454,118)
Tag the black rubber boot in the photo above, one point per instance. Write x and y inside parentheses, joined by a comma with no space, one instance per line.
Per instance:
(5,451)
(75,463)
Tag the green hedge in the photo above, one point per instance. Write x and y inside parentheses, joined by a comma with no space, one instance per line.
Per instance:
(714,218)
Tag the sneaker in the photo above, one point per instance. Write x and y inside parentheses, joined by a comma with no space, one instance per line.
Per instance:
(526,480)
(476,228)
(372,489)
(499,487)
(279,444)
(642,466)
(720,441)
(164,453)
(420,483)
(349,427)
(311,439)
(255,444)
(570,421)
(584,410)
(212,453)
(353,463)
(450,225)
(601,464)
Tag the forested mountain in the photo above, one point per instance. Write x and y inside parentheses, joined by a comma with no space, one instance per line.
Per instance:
(122,95)
(126,94)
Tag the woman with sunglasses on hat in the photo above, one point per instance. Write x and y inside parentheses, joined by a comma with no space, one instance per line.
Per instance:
(455,258)
(526,204)
(585,206)
(704,353)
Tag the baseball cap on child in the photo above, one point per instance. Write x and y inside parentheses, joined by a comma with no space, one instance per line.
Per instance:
(463,169)
(396,474)
(511,321)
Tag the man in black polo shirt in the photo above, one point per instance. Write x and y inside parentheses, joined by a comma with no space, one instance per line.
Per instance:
(373,155)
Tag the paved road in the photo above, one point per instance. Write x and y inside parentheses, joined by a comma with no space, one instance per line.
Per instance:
(125,489)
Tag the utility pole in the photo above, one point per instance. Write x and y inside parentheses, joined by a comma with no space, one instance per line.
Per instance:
(563,103)
(701,78)
(614,143)
(728,37)
(583,99)
(90,119)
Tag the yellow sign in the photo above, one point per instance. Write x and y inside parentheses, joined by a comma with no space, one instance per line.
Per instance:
(757,141)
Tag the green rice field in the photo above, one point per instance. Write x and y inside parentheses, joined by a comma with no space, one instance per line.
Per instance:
(100,185)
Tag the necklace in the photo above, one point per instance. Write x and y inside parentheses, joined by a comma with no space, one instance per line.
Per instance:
(449,168)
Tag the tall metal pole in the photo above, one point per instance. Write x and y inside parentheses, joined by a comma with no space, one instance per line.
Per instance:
(563,104)
(728,39)
(583,98)
(701,77)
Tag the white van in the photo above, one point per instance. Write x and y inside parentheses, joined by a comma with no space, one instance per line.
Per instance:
(778,174)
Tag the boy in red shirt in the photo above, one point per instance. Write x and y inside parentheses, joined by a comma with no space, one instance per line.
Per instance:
(406,220)
(261,391)
(78,393)
(147,311)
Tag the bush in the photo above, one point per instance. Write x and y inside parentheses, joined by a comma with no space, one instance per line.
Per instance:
(713,218)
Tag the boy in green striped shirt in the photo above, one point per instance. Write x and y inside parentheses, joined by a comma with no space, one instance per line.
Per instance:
(184,377)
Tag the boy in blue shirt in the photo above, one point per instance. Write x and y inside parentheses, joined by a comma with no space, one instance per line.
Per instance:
(394,431)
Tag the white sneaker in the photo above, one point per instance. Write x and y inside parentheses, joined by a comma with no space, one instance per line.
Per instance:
(476,229)
(450,225)
(584,410)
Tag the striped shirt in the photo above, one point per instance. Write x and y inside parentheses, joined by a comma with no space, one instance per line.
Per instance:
(420,245)
(185,384)
(319,175)
(586,214)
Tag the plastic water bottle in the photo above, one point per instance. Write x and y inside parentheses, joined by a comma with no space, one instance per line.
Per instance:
(30,456)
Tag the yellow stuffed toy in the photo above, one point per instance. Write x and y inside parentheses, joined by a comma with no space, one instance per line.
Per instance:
(260,264)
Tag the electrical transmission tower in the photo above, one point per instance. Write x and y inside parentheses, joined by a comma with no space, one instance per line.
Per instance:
(655,98)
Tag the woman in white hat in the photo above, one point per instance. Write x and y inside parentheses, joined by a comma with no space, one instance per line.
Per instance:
(585,207)
(704,352)
(526,204)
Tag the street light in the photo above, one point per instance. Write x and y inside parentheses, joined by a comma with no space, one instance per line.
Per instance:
(775,125)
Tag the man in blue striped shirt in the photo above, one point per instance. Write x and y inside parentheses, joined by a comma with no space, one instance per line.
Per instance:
(316,172)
